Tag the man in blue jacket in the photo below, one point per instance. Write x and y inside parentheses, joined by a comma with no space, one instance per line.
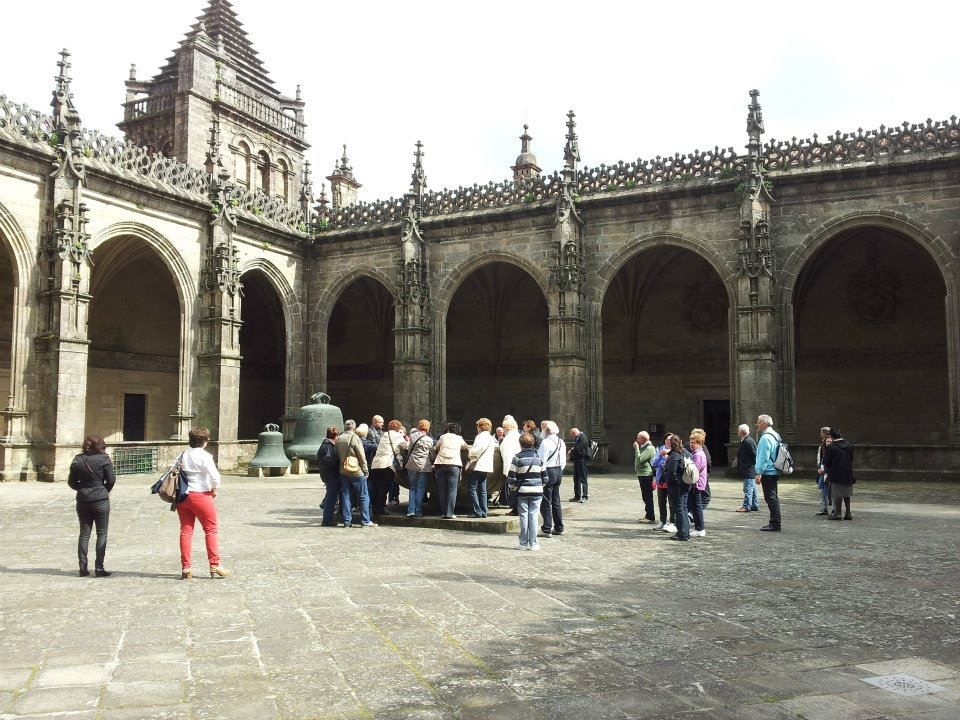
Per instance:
(767,475)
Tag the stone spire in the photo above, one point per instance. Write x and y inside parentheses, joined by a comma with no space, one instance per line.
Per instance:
(756,325)
(566,300)
(63,288)
(754,255)
(66,119)
(526,167)
(413,316)
(343,185)
(418,183)
(306,197)
(571,152)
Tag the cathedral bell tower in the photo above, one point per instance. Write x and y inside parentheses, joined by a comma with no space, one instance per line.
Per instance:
(215,71)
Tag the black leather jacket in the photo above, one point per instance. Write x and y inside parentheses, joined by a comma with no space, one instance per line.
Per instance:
(93,484)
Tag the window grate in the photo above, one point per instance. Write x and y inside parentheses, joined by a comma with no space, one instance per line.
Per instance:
(134,461)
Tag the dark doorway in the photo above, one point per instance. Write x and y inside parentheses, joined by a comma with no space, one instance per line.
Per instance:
(666,347)
(264,357)
(716,422)
(497,348)
(871,341)
(134,417)
(360,351)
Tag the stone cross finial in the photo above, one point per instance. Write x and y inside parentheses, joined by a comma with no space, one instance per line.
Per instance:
(754,122)
(525,139)
(571,153)
(306,186)
(65,115)
(219,174)
(419,180)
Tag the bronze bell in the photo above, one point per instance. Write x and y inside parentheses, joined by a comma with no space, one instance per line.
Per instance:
(270,449)
(312,423)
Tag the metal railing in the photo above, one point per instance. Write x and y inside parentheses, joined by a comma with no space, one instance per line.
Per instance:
(134,460)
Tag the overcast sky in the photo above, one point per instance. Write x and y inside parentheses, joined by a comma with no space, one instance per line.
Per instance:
(645,79)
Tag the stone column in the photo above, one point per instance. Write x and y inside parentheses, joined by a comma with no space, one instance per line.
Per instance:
(569,380)
(218,381)
(64,265)
(755,362)
(412,372)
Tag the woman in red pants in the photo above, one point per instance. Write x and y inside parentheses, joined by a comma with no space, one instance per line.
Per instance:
(203,479)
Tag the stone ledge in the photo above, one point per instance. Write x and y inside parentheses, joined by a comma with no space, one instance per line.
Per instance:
(496,523)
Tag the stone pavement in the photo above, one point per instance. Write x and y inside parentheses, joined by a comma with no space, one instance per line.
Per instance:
(609,621)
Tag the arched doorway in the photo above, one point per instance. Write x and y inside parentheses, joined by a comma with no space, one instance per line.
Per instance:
(360,350)
(263,348)
(870,341)
(134,331)
(666,351)
(496,348)
(7,282)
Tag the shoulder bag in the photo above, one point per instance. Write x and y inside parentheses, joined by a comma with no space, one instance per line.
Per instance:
(166,486)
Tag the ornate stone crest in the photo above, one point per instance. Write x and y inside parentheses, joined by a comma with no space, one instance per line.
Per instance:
(873,292)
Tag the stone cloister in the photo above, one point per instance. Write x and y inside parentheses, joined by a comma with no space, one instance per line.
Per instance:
(188,275)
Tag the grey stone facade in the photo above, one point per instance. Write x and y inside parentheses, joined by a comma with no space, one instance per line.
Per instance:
(813,280)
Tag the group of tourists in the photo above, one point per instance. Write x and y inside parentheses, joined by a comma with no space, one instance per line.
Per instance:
(684,489)
(362,467)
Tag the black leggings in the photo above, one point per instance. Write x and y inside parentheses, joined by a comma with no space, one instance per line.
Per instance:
(90,514)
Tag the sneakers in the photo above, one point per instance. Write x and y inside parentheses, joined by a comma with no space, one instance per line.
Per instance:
(535,546)
(520,546)
(698,533)
(669,527)
(369,524)
(574,499)
(546,533)
(769,528)
(658,526)
(742,509)
(823,512)
(411,514)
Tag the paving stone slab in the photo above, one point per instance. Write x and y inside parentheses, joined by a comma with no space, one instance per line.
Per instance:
(55,699)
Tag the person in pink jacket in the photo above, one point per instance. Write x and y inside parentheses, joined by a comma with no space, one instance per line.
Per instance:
(697,438)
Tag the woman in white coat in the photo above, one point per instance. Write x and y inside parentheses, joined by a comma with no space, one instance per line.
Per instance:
(509,446)
(480,465)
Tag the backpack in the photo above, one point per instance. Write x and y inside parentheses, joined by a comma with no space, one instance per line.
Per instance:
(327,457)
(593,449)
(782,460)
(691,473)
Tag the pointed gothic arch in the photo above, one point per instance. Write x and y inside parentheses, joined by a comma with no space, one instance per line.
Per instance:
(493,314)
(292,309)
(138,327)
(665,343)
(264,358)
(870,304)
(360,347)
(14,289)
